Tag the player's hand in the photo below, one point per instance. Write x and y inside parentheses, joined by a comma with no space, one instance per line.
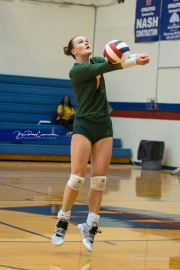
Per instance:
(142,59)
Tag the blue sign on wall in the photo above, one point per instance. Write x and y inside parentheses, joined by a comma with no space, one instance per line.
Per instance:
(147,20)
(170,20)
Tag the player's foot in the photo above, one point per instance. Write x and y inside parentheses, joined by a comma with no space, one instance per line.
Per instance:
(87,233)
(60,231)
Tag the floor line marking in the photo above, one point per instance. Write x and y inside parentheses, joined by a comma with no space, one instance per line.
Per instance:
(5,266)
(59,197)
(24,230)
(32,191)
(110,243)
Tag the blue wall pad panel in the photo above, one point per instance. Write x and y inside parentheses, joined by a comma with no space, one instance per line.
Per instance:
(123,153)
(33,100)
(9,128)
(27,108)
(116,142)
(61,140)
(25,80)
(51,150)
(35,90)
(34,149)
(47,127)
(20,118)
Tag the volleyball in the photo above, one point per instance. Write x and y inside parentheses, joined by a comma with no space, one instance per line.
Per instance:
(116,51)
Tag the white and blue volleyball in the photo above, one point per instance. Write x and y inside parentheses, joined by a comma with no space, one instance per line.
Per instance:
(116,51)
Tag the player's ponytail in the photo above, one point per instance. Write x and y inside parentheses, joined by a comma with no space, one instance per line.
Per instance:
(68,49)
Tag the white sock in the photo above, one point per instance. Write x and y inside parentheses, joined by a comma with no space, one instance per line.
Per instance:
(93,219)
(64,215)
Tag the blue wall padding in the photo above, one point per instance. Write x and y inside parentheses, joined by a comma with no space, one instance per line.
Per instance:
(51,150)
(34,100)
(35,81)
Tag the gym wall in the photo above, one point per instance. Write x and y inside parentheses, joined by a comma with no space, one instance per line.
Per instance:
(132,88)
(32,36)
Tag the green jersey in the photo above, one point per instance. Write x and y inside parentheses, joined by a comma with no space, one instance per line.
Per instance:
(90,90)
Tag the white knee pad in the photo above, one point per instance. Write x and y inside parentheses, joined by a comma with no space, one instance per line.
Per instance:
(98,182)
(75,182)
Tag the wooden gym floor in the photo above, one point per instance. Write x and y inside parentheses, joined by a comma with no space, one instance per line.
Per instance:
(140,219)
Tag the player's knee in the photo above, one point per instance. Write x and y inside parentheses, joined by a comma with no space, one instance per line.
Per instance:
(75,182)
(98,182)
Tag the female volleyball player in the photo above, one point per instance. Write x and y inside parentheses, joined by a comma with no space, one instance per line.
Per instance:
(92,136)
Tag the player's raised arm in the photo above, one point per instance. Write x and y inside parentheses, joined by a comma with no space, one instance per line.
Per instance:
(136,59)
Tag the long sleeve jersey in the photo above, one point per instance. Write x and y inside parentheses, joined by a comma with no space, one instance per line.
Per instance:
(90,90)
